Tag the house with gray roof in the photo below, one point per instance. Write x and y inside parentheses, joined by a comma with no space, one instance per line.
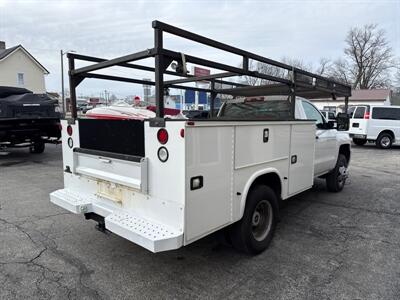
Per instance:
(18,68)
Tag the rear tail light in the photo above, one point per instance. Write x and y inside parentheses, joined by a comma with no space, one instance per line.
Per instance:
(162,136)
(182,132)
(69,130)
(366,115)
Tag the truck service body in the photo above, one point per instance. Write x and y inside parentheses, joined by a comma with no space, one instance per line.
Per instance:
(165,183)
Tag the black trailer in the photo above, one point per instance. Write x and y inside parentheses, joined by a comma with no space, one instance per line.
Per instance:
(27,119)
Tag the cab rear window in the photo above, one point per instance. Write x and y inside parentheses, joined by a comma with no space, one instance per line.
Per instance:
(359,112)
(270,110)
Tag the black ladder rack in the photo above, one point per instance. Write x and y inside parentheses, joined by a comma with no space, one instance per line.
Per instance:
(298,83)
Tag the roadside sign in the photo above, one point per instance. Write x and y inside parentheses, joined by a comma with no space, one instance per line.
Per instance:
(197,71)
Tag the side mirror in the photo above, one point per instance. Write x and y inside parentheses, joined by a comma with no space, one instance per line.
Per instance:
(343,122)
(328,125)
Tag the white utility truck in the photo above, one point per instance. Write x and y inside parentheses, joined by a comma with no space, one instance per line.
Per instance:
(164,183)
(375,123)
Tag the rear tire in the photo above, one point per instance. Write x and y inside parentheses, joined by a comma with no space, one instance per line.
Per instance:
(336,179)
(359,142)
(254,232)
(37,148)
(384,141)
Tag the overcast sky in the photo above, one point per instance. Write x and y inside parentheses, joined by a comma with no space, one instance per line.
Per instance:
(305,30)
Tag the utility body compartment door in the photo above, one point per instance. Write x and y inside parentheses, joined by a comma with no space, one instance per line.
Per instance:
(301,162)
(222,158)
(209,159)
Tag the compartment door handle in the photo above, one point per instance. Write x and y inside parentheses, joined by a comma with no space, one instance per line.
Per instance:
(105,160)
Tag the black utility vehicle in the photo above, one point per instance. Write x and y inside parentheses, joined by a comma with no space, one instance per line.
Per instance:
(27,119)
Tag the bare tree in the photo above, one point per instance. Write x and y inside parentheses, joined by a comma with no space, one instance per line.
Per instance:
(340,71)
(368,62)
(272,70)
(324,66)
(396,86)
(253,66)
(368,59)
(297,63)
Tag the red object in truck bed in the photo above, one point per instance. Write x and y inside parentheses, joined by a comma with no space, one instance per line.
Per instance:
(167,111)
(120,113)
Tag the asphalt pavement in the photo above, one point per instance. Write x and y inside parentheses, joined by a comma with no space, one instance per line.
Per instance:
(327,245)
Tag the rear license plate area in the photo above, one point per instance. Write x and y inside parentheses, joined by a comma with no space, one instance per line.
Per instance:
(109,191)
(359,136)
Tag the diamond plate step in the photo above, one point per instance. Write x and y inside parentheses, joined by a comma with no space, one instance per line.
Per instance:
(148,234)
(72,201)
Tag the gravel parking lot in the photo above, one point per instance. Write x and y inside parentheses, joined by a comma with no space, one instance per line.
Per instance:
(327,246)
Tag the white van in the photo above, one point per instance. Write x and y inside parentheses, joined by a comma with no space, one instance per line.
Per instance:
(375,123)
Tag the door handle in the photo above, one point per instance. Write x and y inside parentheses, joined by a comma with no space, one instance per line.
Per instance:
(105,160)
(265,135)
(316,137)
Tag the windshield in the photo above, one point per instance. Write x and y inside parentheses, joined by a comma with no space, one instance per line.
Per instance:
(260,109)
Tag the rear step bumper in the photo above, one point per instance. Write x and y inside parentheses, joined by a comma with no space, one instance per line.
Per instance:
(153,236)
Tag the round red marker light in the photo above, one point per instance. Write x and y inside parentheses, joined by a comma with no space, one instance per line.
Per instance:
(162,136)
(69,130)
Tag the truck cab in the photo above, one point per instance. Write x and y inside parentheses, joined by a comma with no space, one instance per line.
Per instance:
(330,142)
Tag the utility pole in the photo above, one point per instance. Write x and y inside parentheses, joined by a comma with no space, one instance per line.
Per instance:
(105,97)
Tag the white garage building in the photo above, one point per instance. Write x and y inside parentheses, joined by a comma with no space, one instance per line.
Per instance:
(371,97)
